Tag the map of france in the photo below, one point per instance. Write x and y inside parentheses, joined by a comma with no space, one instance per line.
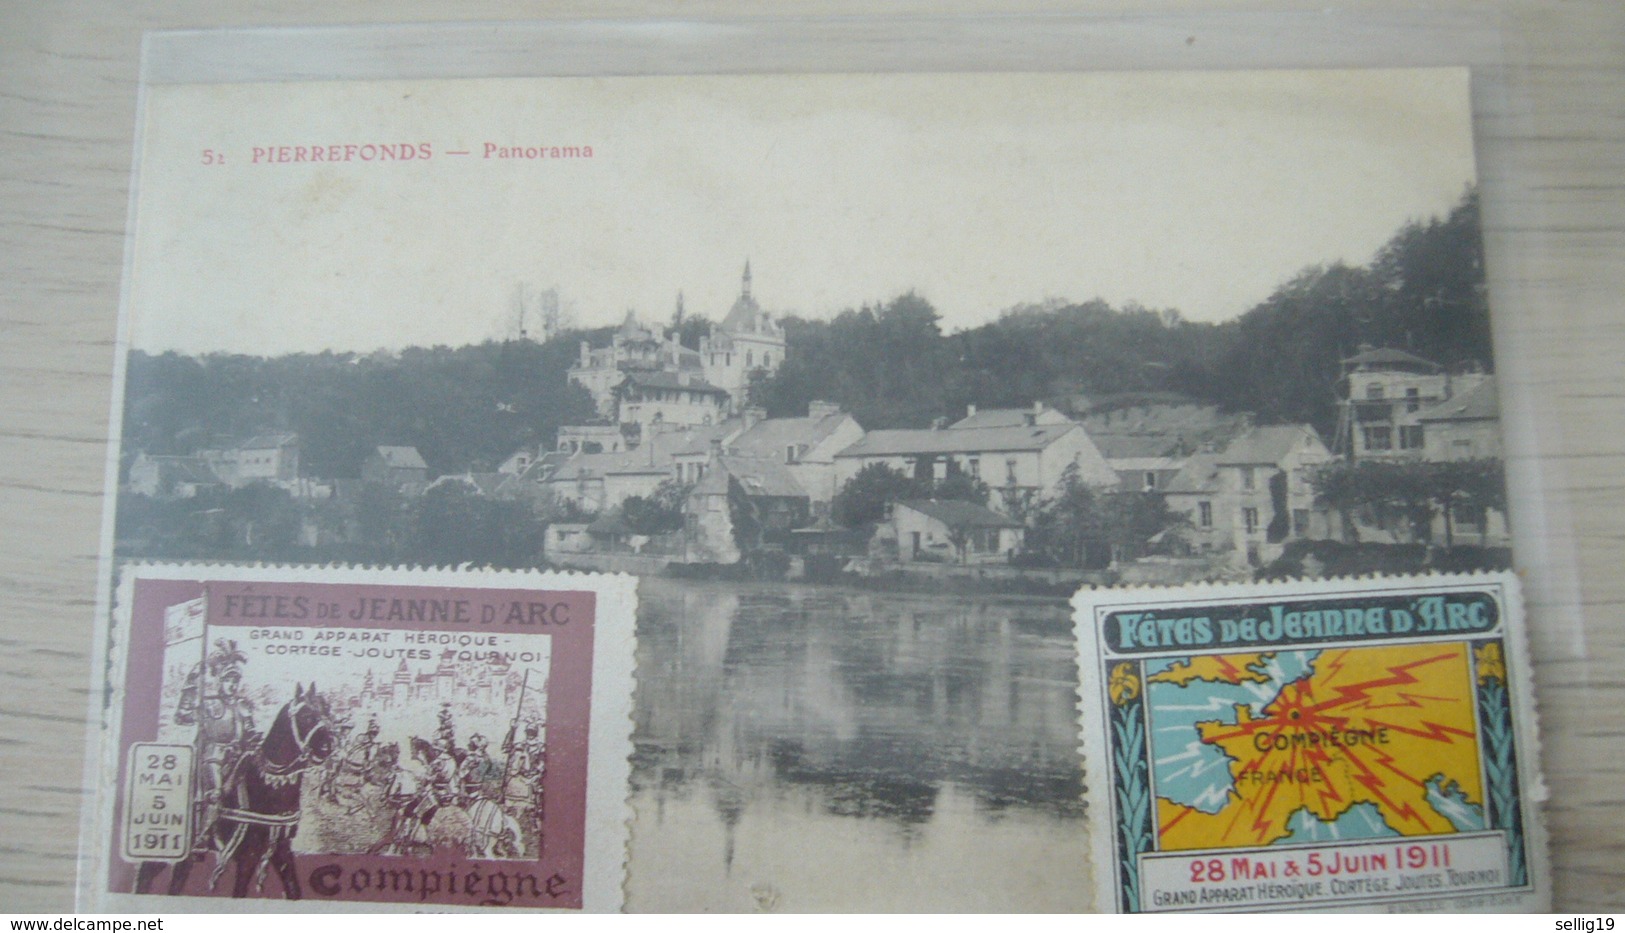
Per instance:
(1314,745)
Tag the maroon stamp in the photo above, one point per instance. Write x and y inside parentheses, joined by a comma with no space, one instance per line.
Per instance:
(428,739)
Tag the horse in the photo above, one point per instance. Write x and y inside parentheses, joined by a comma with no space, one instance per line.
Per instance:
(260,802)
(403,794)
(492,832)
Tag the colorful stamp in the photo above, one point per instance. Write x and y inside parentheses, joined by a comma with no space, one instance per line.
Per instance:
(1331,744)
(429,739)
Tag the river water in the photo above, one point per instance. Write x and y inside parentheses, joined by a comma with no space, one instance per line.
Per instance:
(806,748)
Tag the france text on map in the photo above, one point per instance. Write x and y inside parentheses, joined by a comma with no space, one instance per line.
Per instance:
(1314,746)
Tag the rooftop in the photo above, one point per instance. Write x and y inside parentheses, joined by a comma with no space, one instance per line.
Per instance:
(957,440)
(269,441)
(1268,443)
(1388,357)
(761,476)
(660,379)
(587,466)
(770,437)
(957,514)
(402,458)
(1009,418)
(1199,475)
(1480,403)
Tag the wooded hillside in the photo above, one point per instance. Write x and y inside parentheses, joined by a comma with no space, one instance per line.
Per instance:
(890,365)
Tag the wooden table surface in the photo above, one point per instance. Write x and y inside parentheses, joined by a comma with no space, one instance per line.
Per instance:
(1553,180)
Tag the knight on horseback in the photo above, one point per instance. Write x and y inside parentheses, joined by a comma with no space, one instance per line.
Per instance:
(357,761)
(477,770)
(225,726)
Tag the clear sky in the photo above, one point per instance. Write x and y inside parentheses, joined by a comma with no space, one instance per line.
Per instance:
(1196,191)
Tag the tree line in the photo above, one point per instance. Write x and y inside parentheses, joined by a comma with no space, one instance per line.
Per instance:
(891,365)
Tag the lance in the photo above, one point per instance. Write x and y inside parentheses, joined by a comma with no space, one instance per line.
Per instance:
(513,738)
(202,713)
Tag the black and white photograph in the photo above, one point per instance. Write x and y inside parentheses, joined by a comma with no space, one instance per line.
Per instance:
(862,376)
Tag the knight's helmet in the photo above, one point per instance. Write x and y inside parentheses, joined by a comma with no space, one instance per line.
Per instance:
(226,661)
(532,729)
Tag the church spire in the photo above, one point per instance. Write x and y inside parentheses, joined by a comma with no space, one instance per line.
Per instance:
(745,291)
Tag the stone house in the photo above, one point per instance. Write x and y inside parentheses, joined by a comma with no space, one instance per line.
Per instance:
(395,466)
(1264,481)
(1197,492)
(950,531)
(806,446)
(754,499)
(1019,463)
(163,477)
(1465,427)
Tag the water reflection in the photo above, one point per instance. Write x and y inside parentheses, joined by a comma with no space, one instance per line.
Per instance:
(794,743)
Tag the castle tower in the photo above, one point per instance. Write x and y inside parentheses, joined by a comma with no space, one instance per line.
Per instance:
(747,340)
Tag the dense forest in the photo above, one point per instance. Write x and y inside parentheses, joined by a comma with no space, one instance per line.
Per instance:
(890,364)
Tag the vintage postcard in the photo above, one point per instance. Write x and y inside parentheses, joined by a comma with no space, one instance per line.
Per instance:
(417,738)
(861,375)
(1347,743)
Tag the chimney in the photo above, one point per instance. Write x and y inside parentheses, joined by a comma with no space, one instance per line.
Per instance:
(586,353)
(751,416)
(970,410)
(822,409)
(938,424)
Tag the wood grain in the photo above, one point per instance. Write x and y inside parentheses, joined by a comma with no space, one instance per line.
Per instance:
(1553,168)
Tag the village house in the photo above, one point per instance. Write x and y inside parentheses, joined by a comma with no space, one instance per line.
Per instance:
(1147,437)
(590,439)
(594,483)
(395,466)
(164,477)
(1466,427)
(1254,496)
(1018,463)
(1402,407)
(807,446)
(1145,474)
(1197,492)
(742,504)
(263,458)
(1143,426)
(1386,390)
(950,531)
(652,399)
(1265,482)
(564,538)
